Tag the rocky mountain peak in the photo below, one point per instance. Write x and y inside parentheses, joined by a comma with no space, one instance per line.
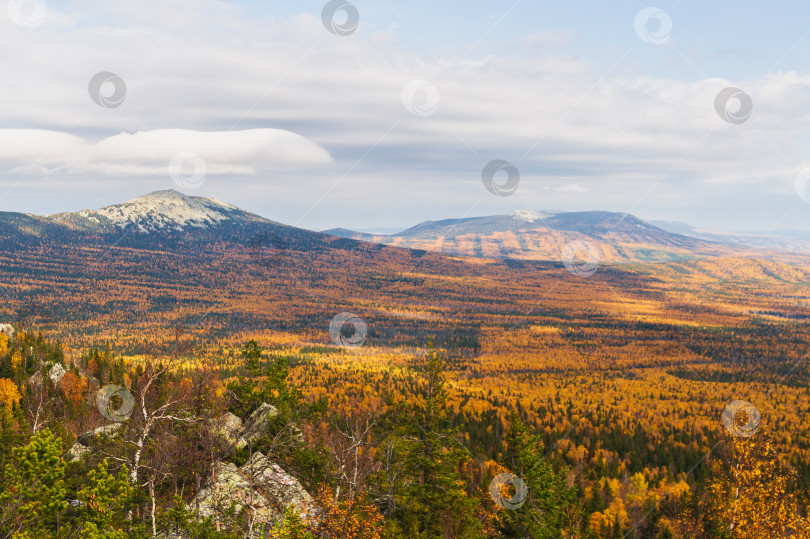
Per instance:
(160,210)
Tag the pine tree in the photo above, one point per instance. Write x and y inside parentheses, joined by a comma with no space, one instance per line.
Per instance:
(283,437)
(33,495)
(12,432)
(258,385)
(177,518)
(104,503)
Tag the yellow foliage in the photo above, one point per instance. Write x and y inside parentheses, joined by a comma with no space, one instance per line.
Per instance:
(749,493)
(356,518)
(16,359)
(9,394)
(678,489)
(601,522)
(92,367)
(638,493)
(185,385)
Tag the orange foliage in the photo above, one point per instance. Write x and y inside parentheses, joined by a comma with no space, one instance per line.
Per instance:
(92,367)
(74,388)
(350,519)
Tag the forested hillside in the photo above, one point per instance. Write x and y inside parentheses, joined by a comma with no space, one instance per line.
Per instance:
(249,376)
(97,447)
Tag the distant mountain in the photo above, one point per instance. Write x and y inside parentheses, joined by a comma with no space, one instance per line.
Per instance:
(783,240)
(531,235)
(172,220)
(165,220)
(161,210)
(168,260)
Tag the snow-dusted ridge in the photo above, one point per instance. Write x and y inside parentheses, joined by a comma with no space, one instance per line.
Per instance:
(161,210)
(529,216)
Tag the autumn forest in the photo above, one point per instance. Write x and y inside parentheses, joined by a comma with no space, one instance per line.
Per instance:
(400,393)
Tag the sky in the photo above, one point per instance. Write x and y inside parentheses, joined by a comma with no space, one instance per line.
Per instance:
(294,112)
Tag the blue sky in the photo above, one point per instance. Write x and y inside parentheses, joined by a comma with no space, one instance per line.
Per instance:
(314,129)
(734,40)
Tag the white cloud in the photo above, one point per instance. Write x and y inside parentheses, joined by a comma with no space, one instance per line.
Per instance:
(196,71)
(246,152)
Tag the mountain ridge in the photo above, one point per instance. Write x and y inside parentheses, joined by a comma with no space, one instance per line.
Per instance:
(163,218)
(257,274)
(158,210)
(544,235)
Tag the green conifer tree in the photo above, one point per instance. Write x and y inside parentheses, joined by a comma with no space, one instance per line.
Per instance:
(546,511)
(33,497)
(104,503)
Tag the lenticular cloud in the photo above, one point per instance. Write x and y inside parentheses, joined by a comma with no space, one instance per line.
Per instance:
(150,152)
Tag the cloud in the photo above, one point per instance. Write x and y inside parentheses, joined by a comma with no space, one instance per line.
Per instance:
(246,152)
(321,120)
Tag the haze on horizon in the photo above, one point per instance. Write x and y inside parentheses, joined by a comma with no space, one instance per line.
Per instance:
(392,123)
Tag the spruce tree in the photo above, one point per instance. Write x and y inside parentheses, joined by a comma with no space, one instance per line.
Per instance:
(550,502)
(433,500)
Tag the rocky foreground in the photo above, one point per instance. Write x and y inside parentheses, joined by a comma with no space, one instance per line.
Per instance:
(260,486)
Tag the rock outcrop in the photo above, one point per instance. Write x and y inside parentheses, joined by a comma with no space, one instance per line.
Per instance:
(227,427)
(85,441)
(256,424)
(237,434)
(56,373)
(260,486)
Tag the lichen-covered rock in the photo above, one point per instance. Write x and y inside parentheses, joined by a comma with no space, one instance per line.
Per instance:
(77,452)
(260,486)
(257,424)
(35,380)
(230,487)
(56,373)
(85,441)
(227,427)
(281,488)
